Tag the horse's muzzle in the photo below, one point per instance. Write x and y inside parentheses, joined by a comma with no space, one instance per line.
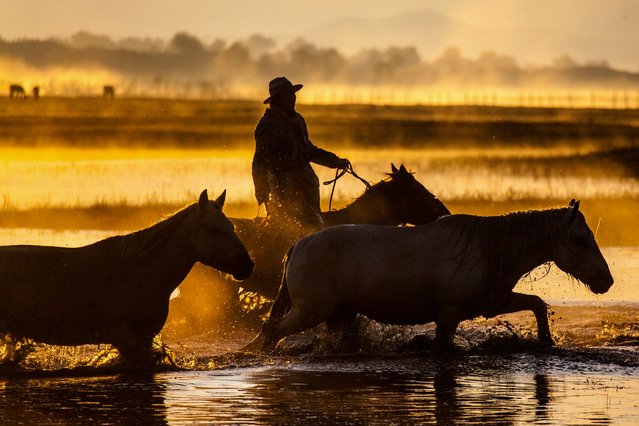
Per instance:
(245,270)
(602,286)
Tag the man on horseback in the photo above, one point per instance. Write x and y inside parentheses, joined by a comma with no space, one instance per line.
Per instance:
(282,174)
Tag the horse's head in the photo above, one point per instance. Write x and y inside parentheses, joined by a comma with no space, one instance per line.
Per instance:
(578,253)
(214,241)
(411,201)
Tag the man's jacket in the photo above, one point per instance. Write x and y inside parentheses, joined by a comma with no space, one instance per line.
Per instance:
(281,166)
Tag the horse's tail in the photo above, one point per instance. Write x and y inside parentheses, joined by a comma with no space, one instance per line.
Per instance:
(265,339)
(283,302)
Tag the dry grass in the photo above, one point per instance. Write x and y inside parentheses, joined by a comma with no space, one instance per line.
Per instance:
(94,122)
(86,163)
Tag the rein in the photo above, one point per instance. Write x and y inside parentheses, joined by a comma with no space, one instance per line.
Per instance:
(338,174)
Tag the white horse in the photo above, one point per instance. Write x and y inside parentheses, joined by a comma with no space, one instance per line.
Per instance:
(456,268)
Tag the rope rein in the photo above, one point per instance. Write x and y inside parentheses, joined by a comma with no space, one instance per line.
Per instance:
(338,174)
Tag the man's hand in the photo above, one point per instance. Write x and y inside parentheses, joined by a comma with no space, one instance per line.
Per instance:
(342,163)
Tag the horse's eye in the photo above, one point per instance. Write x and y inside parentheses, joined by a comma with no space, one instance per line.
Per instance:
(581,239)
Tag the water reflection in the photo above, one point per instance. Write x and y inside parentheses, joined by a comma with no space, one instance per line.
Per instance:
(517,389)
(447,407)
(122,400)
(375,392)
(542,395)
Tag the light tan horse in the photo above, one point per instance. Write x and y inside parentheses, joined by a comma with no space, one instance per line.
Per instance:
(116,290)
(456,268)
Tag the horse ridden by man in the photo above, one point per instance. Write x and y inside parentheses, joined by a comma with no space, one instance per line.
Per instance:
(286,183)
(398,199)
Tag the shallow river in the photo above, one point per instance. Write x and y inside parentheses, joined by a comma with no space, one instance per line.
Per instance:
(462,389)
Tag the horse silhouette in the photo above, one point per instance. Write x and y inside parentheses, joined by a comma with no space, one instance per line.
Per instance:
(116,290)
(399,199)
(17,91)
(456,268)
(108,92)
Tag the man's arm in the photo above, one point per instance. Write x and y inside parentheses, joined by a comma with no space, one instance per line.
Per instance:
(321,156)
(326,158)
(263,160)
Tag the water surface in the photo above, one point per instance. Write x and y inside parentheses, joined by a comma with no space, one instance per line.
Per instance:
(473,389)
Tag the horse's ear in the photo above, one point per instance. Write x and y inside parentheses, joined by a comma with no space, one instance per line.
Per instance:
(573,208)
(393,168)
(402,169)
(204,199)
(220,200)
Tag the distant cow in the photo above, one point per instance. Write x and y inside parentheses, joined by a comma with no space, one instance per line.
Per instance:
(109,92)
(36,92)
(16,91)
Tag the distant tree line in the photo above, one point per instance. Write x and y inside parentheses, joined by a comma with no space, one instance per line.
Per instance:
(185,59)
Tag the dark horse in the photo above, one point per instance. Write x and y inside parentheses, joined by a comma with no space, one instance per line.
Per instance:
(17,91)
(454,269)
(400,199)
(116,290)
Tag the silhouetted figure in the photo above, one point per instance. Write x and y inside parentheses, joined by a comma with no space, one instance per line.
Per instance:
(36,92)
(283,177)
(108,92)
(17,91)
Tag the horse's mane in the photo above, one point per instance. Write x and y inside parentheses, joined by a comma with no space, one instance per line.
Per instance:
(504,226)
(505,239)
(143,243)
(370,191)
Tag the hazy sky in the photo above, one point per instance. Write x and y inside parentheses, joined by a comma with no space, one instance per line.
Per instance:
(610,20)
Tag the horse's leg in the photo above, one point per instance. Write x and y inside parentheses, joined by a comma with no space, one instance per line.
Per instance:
(280,307)
(527,302)
(135,352)
(344,321)
(293,322)
(138,355)
(447,321)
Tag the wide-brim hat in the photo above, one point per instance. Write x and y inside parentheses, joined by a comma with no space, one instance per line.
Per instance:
(280,85)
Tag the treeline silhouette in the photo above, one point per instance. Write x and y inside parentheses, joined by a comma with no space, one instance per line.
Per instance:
(221,65)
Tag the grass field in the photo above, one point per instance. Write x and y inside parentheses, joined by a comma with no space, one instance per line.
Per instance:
(87,163)
(126,123)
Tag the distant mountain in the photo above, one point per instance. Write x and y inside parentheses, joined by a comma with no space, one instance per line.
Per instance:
(431,32)
(425,29)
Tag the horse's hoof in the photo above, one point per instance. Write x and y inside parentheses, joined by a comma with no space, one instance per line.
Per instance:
(446,347)
(546,342)
(420,342)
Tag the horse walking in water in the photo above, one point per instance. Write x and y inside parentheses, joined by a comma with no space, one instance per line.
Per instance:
(456,268)
(400,199)
(116,290)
